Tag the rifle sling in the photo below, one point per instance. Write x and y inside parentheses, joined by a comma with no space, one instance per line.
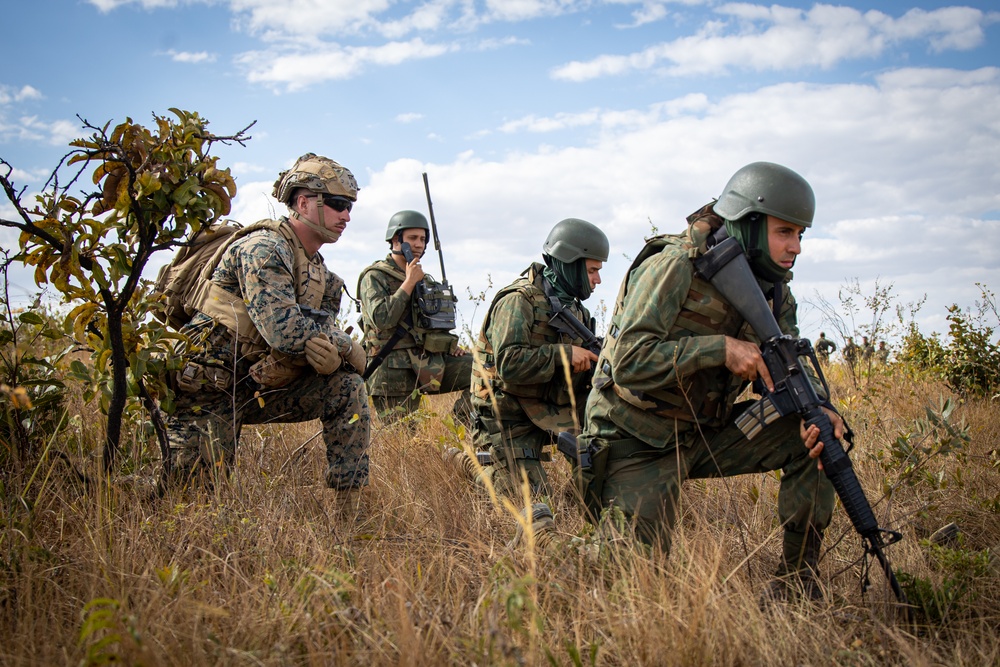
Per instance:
(387,348)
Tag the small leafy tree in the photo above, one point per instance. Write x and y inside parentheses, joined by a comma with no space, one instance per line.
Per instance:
(32,393)
(969,362)
(156,187)
(973,358)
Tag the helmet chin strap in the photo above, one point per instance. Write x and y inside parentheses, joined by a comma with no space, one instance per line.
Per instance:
(328,235)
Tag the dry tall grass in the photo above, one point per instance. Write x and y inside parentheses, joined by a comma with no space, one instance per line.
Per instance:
(267,570)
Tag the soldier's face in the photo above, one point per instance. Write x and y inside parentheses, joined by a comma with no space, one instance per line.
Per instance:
(783,241)
(594,267)
(334,220)
(416,237)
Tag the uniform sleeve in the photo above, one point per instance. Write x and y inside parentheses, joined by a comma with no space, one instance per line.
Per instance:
(264,273)
(643,357)
(509,332)
(382,308)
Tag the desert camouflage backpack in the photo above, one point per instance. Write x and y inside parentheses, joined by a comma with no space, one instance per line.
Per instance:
(182,284)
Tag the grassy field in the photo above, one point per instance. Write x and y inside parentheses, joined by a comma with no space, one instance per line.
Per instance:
(269,569)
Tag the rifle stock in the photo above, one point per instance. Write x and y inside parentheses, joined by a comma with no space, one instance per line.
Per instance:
(727,269)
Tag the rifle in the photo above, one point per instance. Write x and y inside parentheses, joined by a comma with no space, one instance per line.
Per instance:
(566,322)
(726,267)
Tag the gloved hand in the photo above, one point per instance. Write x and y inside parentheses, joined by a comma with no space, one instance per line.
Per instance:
(322,355)
(356,357)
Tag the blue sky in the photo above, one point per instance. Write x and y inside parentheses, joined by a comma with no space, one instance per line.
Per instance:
(630,114)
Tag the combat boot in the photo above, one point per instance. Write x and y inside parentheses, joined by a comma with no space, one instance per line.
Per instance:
(543,526)
(796,575)
(467,467)
(349,504)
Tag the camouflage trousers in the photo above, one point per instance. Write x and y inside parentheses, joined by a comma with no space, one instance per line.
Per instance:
(205,427)
(517,447)
(391,404)
(646,484)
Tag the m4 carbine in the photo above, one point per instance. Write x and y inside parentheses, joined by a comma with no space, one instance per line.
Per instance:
(566,322)
(726,267)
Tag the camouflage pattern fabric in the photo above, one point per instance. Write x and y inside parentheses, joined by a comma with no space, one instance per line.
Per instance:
(654,445)
(409,367)
(824,347)
(882,354)
(520,352)
(219,395)
(852,353)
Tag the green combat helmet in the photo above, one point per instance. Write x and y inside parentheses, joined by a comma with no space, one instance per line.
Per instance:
(573,238)
(405,220)
(434,301)
(754,192)
(768,188)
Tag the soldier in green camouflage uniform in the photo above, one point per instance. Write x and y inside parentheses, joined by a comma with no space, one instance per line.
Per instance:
(422,360)
(882,353)
(867,350)
(852,353)
(824,346)
(530,380)
(677,355)
(264,344)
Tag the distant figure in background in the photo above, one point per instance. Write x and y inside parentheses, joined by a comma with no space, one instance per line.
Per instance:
(867,350)
(882,353)
(852,353)
(422,357)
(824,346)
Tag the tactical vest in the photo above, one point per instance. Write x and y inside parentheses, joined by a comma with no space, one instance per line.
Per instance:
(707,395)
(230,309)
(484,374)
(417,335)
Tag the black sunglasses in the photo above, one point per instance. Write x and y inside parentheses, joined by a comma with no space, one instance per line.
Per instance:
(338,204)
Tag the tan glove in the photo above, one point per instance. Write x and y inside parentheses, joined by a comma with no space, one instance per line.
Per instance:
(322,355)
(356,357)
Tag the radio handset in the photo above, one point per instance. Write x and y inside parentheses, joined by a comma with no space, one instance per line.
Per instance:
(404,248)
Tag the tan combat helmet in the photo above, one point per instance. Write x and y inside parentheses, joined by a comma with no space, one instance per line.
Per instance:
(322,176)
(317,174)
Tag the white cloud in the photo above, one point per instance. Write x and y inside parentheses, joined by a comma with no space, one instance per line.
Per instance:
(30,128)
(296,71)
(522,10)
(608,119)
(647,13)
(110,5)
(28,93)
(408,117)
(760,38)
(560,121)
(247,167)
(283,18)
(191,57)
(9,95)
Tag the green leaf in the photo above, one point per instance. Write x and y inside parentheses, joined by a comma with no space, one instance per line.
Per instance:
(31,317)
